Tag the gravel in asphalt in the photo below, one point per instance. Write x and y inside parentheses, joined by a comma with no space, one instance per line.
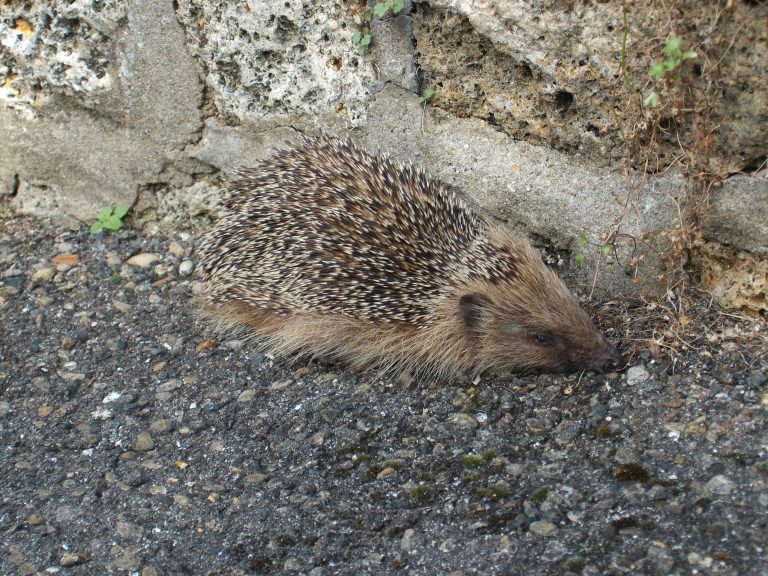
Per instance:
(134,440)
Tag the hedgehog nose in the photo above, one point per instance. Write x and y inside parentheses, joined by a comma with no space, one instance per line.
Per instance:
(613,362)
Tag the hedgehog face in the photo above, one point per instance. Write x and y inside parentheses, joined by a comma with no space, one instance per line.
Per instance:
(523,339)
(563,351)
(520,315)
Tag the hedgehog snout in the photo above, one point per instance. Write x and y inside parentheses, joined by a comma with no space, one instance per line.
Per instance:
(608,359)
(613,361)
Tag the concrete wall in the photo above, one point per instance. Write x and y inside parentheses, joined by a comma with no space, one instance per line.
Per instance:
(152,102)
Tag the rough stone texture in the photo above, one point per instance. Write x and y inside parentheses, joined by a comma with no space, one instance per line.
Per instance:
(737,280)
(280,59)
(83,133)
(230,147)
(740,214)
(195,206)
(394,50)
(550,72)
(224,148)
(50,50)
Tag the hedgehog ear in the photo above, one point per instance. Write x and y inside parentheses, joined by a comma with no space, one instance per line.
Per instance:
(471,308)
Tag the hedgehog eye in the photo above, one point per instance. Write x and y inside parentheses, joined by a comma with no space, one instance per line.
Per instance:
(543,339)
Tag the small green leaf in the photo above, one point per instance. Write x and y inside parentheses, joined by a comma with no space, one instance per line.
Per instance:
(397,5)
(426,96)
(366,40)
(651,100)
(673,46)
(356,37)
(104,213)
(97,227)
(607,249)
(361,50)
(658,70)
(380,9)
(112,223)
(121,211)
(580,259)
(582,241)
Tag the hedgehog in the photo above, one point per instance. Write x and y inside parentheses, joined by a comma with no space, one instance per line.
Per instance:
(327,251)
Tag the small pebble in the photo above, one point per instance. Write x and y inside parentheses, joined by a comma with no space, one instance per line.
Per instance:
(186,268)
(386,473)
(34,520)
(409,541)
(720,484)
(317,439)
(128,561)
(543,528)
(280,384)
(637,374)
(65,260)
(463,421)
(66,515)
(234,344)
(70,560)
(62,247)
(12,272)
(246,395)
(144,260)
(169,386)
(144,442)
(160,426)
(43,275)
(175,249)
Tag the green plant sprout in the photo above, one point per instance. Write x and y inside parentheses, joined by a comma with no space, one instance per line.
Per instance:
(382,8)
(362,38)
(580,258)
(426,96)
(582,241)
(675,54)
(109,219)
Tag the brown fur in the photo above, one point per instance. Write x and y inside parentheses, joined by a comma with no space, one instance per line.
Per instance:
(330,252)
